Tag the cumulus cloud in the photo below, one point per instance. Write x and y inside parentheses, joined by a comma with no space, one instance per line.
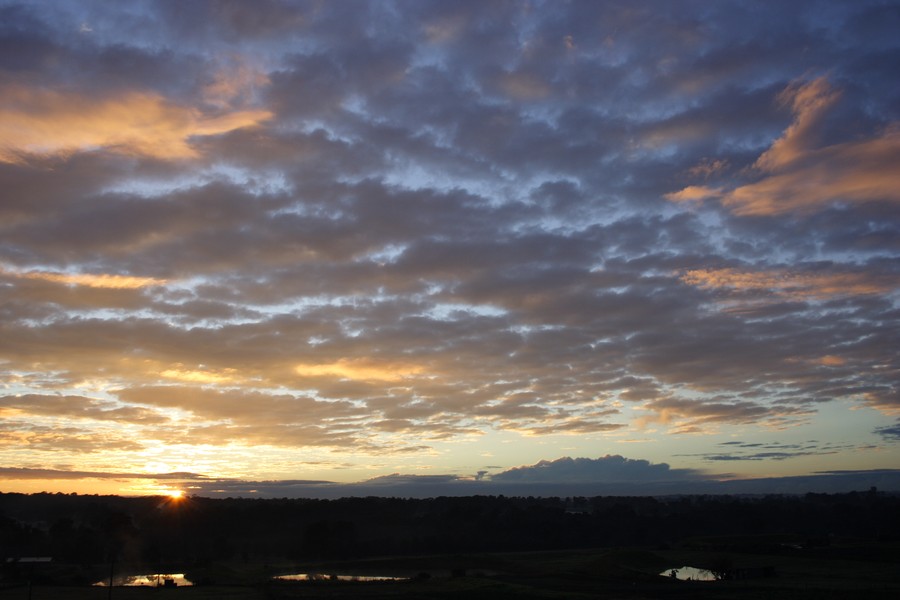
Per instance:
(605,469)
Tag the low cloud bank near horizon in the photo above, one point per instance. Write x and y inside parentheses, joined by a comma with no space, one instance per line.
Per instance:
(605,476)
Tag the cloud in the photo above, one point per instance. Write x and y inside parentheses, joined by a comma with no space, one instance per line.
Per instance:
(230,416)
(609,475)
(19,435)
(736,451)
(889,432)
(236,83)
(693,193)
(792,284)
(523,86)
(47,122)
(886,398)
(102,280)
(706,168)
(800,173)
(809,102)
(697,416)
(26,473)
(79,407)
(605,469)
(388,237)
(359,369)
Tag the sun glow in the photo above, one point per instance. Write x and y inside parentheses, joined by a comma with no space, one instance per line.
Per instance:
(359,370)
(198,376)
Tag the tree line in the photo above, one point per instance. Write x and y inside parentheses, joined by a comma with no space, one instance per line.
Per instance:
(87,529)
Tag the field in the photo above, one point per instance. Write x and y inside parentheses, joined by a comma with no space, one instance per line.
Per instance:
(844,569)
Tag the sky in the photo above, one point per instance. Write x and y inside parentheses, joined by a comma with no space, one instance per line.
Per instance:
(269,248)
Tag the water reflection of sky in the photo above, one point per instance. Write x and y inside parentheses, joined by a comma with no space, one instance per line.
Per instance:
(333,577)
(689,574)
(148,580)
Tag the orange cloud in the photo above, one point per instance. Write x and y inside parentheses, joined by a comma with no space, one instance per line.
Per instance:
(886,400)
(694,193)
(51,122)
(831,360)
(103,280)
(809,103)
(799,174)
(199,376)
(359,369)
(853,172)
(786,283)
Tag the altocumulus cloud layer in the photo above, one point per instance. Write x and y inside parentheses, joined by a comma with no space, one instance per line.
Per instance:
(318,241)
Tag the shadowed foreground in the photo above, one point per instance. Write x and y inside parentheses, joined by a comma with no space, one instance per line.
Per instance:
(849,571)
(818,546)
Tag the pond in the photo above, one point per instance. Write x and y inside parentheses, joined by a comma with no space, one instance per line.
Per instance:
(335,577)
(689,574)
(148,580)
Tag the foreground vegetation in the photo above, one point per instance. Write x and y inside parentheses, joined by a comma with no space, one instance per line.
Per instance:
(816,546)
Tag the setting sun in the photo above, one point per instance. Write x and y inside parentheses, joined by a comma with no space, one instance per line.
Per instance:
(175,494)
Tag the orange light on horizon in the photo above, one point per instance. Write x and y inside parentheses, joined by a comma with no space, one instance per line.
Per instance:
(175,494)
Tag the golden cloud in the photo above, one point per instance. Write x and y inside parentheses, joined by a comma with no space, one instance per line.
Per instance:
(102,280)
(52,122)
(359,369)
(694,193)
(786,283)
(199,376)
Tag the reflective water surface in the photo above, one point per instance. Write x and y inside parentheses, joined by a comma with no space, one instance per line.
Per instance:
(148,580)
(333,577)
(689,574)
